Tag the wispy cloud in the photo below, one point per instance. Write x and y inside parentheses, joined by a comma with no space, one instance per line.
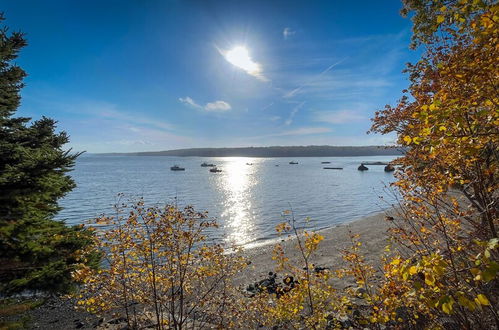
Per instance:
(215,106)
(374,63)
(98,125)
(115,114)
(288,33)
(338,117)
(128,142)
(267,106)
(293,112)
(187,100)
(103,110)
(305,131)
(340,85)
(294,132)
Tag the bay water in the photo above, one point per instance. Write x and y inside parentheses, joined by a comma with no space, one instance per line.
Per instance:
(247,198)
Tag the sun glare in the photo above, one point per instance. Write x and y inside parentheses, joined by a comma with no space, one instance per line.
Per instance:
(240,57)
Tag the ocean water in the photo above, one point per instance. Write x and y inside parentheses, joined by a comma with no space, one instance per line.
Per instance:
(247,200)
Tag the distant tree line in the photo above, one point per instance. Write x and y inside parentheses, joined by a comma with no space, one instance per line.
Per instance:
(277,151)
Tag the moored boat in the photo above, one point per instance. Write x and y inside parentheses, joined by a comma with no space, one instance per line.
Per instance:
(293,163)
(177,168)
(215,170)
(362,167)
(205,164)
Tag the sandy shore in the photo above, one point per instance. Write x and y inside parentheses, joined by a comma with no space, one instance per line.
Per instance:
(372,230)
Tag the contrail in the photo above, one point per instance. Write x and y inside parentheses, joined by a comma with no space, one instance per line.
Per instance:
(296,90)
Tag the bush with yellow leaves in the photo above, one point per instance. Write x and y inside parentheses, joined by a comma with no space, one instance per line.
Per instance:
(159,271)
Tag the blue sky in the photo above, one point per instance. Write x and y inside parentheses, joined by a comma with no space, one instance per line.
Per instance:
(156,75)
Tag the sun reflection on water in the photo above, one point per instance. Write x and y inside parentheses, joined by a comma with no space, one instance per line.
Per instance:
(237,183)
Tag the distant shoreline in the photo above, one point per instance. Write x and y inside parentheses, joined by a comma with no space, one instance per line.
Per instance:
(274,152)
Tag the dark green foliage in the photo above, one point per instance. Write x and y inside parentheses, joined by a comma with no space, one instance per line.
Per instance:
(36,252)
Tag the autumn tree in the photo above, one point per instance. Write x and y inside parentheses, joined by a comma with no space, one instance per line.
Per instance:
(449,120)
(36,252)
(441,267)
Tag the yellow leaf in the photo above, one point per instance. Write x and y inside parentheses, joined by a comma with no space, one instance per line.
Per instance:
(429,279)
(442,128)
(447,308)
(440,19)
(482,300)
(463,301)
(407,139)
(395,262)
(413,270)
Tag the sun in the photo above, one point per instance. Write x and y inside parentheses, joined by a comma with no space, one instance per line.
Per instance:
(239,56)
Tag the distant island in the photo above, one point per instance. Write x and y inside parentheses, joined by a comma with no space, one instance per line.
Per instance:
(275,151)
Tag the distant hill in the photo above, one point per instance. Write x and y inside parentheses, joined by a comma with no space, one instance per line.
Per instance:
(291,151)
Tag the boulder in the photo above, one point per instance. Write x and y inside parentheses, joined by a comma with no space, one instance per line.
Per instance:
(389,168)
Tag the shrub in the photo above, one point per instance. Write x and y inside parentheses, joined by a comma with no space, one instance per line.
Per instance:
(160,270)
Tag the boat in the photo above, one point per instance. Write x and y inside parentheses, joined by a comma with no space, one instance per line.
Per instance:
(333,168)
(362,167)
(325,162)
(215,170)
(249,163)
(293,163)
(205,164)
(177,168)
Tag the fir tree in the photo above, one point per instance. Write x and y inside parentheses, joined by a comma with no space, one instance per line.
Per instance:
(36,252)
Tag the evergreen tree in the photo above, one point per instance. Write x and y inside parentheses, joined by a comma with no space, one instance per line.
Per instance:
(36,252)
